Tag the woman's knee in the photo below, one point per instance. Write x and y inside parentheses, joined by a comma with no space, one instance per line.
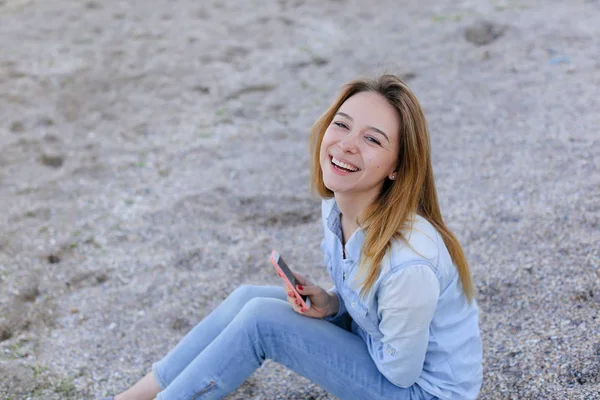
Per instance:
(237,299)
(265,311)
(245,293)
(266,322)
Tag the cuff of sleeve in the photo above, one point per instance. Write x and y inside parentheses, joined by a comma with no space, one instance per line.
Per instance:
(342,310)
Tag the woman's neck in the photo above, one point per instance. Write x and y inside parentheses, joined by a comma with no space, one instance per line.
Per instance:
(351,207)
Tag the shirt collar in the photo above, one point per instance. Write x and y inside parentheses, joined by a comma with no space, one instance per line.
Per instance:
(354,244)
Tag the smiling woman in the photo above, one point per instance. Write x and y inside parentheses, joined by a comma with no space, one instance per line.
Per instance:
(388,107)
(358,156)
(399,322)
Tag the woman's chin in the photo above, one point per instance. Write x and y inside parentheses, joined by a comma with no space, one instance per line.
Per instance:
(333,187)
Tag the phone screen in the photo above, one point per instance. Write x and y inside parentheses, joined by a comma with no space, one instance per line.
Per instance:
(288,273)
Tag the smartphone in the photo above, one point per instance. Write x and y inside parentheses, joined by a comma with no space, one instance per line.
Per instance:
(286,273)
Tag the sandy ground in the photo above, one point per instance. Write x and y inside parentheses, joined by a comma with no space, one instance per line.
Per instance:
(152,153)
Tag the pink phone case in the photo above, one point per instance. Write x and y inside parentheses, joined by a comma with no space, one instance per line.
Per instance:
(275,258)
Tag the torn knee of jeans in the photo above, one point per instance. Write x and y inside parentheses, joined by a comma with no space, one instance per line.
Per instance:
(211,385)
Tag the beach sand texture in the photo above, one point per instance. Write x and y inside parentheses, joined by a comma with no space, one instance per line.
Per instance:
(153,153)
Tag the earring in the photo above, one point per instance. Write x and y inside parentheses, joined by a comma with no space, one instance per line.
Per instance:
(393,177)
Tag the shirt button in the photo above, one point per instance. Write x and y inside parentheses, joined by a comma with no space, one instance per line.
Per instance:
(353,304)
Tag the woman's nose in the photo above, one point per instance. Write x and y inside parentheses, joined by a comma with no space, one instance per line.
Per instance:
(348,143)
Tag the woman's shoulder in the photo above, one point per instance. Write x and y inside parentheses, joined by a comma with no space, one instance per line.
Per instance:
(421,244)
(419,240)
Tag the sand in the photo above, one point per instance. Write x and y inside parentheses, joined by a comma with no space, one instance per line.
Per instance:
(152,153)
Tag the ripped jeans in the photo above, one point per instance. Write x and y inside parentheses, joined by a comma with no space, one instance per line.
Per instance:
(256,323)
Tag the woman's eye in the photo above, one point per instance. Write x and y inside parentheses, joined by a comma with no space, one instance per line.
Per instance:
(341,125)
(373,140)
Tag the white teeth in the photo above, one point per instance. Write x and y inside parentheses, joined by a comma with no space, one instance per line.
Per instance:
(343,164)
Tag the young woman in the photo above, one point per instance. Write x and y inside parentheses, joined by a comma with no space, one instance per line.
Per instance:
(400,321)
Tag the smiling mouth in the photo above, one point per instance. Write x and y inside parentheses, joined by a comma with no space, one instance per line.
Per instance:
(342,166)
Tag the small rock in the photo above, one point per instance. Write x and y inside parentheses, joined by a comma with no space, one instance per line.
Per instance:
(484,32)
(91,5)
(201,89)
(17,127)
(30,292)
(320,61)
(181,324)
(101,278)
(52,160)
(51,138)
(46,121)
(407,76)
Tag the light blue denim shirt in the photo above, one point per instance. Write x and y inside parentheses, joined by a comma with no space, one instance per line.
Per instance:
(416,321)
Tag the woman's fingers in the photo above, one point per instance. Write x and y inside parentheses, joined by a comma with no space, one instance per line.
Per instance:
(290,291)
(309,290)
(291,300)
(309,313)
(296,305)
(294,302)
(301,279)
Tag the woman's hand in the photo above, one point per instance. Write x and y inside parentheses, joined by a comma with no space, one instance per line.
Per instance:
(322,304)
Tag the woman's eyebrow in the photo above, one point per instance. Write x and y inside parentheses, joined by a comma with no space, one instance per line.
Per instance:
(370,127)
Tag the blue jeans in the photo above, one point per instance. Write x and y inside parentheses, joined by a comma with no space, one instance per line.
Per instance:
(256,323)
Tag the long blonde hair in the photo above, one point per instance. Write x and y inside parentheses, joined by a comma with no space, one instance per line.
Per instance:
(412,192)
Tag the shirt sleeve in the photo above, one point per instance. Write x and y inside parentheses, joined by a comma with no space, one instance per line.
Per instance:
(406,304)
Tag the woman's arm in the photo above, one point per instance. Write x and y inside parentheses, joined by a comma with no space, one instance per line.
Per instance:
(407,302)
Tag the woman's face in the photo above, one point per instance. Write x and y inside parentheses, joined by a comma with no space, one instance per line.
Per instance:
(360,147)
